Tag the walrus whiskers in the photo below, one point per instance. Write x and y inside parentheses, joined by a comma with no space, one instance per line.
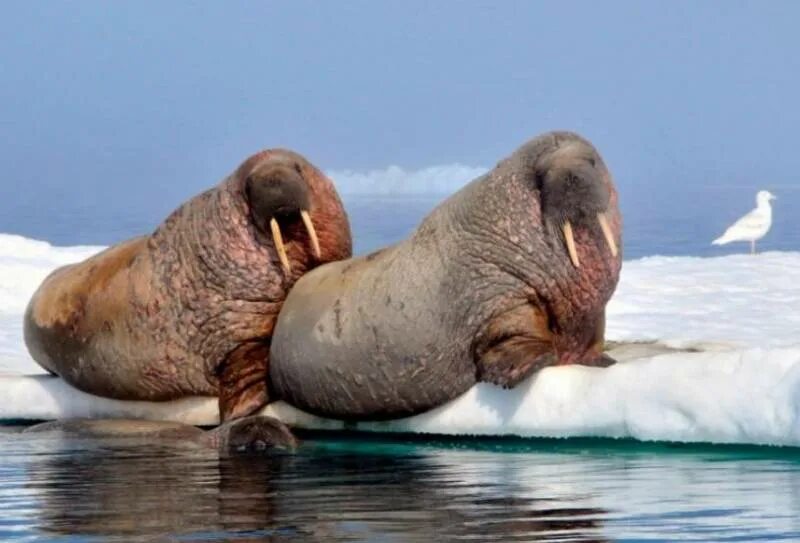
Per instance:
(569,238)
(603,220)
(277,238)
(312,233)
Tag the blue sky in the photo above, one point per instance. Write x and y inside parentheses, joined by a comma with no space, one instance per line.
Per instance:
(111,102)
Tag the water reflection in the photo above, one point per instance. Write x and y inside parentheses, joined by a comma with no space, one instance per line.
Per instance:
(380,490)
(323,493)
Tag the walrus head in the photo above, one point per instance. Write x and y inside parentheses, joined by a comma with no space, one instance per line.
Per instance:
(547,227)
(251,434)
(279,196)
(574,193)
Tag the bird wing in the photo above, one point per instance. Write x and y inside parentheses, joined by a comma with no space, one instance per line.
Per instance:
(748,227)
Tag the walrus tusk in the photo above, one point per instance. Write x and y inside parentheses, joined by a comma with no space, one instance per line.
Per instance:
(603,220)
(312,233)
(277,238)
(568,237)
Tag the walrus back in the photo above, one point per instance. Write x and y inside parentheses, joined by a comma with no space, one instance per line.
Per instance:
(376,337)
(65,320)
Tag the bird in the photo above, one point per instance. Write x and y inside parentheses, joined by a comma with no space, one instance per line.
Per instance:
(752,226)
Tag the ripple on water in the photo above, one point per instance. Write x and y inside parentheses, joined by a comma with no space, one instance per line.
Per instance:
(373,490)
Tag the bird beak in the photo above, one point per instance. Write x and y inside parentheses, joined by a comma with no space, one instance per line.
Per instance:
(277,239)
(312,234)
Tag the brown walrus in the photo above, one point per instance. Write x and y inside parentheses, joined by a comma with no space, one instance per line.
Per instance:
(509,275)
(190,309)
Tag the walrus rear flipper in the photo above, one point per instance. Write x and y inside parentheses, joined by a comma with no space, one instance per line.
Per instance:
(243,381)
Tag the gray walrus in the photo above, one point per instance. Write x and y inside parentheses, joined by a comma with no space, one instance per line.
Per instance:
(243,434)
(507,276)
(190,308)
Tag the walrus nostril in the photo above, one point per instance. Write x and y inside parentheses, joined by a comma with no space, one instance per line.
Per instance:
(274,189)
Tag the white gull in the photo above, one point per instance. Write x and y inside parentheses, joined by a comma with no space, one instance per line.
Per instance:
(752,226)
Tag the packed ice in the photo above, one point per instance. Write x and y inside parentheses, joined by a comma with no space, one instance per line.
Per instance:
(709,351)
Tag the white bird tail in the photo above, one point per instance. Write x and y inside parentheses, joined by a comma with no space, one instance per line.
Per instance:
(722,240)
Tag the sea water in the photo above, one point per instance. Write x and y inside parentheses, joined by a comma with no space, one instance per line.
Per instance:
(671,218)
(404,488)
(359,489)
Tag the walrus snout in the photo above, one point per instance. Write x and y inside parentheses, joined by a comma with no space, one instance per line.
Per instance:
(575,193)
(569,237)
(278,193)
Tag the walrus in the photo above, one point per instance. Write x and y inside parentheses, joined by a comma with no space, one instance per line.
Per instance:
(509,275)
(190,309)
(239,435)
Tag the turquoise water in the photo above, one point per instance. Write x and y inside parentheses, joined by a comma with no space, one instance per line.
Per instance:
(396,489)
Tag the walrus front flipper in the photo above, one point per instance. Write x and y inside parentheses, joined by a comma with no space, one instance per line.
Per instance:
(512,361)
(597,357)
(515,345)
(601,361)
(243,381)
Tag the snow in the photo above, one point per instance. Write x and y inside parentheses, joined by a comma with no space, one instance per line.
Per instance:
(724,368)
(740,300)
(24,263)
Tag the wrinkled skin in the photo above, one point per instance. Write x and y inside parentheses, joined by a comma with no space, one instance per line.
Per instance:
(484,290)
(240,435)
(190,309)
